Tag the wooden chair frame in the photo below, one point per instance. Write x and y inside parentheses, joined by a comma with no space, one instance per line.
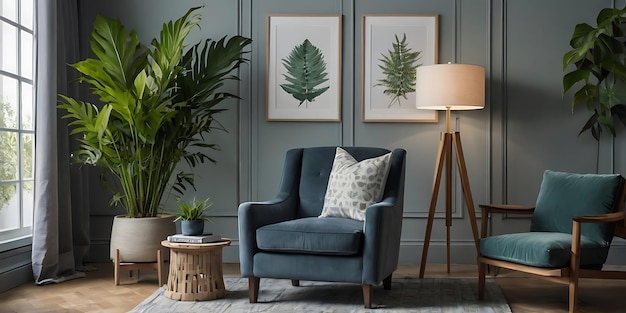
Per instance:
(568,275)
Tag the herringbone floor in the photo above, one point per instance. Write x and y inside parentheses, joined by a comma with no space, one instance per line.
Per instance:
(96,292)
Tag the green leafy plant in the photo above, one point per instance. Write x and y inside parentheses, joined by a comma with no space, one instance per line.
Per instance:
(193,210)
(399,68)
(158,107)
(307,70)
(598,55)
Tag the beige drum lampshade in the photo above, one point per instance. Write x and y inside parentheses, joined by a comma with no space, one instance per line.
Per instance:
(453,86)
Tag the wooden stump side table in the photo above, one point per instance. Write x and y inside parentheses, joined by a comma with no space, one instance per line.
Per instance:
(195,271)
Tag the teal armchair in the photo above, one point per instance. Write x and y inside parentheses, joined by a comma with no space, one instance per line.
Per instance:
(573,223)
(284,238)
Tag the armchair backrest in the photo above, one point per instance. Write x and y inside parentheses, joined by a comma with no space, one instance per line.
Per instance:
(314,166)
(563,196)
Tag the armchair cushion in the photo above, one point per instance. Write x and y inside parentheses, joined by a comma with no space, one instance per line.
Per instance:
(353,185)
(542,249)
(312,235)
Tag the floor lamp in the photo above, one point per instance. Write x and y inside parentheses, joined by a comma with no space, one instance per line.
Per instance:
(449,87)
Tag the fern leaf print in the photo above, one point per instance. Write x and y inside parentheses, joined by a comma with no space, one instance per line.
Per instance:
(306,70)
(399,67)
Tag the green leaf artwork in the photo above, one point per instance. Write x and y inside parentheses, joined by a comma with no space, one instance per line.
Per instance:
(399,68)
(306,71)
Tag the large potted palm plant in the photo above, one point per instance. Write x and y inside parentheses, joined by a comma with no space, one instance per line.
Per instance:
(157,106)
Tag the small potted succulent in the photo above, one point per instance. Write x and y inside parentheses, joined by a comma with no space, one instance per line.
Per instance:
(191,216)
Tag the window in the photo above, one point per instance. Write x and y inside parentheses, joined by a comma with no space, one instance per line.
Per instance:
(17,117)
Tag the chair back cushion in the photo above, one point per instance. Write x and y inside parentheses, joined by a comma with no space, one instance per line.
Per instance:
(317,164)
(563,196)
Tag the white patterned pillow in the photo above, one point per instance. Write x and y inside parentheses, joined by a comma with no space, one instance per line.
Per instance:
(353,185)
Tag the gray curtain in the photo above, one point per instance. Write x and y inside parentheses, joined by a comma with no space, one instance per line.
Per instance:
(61,220)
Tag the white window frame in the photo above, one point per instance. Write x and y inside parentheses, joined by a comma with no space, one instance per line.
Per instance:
(20,236)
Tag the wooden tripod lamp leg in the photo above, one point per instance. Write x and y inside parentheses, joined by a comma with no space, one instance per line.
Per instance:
(445,157)
(467,192)
(448,206)
(444,146)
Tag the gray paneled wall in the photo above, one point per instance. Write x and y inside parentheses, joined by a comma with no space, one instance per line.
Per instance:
(525,128)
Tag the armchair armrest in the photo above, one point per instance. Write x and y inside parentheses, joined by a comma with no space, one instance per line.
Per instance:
(507,208)
(383,225)
(258,214)
(382,230)
(605,218)
(252,215)
(576,227)
(500,208)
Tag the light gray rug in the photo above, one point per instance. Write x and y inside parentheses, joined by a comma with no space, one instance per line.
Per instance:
(432,295)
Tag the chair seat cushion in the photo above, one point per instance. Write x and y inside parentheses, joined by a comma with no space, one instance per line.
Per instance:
(542,249)
(312,235)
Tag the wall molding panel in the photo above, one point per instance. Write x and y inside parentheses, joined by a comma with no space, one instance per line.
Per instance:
(525,128)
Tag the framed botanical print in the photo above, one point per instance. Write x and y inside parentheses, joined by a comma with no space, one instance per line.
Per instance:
(304,68)
(394,46)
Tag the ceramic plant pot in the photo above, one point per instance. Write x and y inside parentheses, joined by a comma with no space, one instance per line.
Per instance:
(138,239)
(192,227)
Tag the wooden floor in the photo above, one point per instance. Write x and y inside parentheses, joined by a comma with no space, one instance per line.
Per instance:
(96,292)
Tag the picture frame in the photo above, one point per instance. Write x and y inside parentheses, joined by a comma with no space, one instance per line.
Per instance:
(414,40)
(292,95)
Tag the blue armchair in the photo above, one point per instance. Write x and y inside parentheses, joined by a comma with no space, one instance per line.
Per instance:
(284,238)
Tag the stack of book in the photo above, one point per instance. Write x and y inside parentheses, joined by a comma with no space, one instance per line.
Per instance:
(204,238)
